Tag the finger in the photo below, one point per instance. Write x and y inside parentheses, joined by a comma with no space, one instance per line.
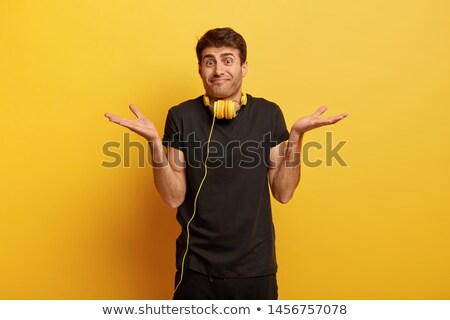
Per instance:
(124,122)
(110,116)
(114,118)
(319,111)
(334,119)
(136,111)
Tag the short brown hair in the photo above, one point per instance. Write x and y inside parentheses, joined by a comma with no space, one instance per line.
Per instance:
(222,37)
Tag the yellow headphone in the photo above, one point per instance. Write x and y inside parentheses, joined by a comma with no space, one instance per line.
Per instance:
(224,109)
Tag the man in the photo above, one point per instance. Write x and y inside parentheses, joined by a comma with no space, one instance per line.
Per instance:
(217,173)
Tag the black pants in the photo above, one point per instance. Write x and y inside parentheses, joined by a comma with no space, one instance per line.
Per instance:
(198,286)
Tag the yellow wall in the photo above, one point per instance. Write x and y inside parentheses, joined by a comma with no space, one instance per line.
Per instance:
(376,229)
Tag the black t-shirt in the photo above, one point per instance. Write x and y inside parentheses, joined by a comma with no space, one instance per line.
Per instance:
(232,233)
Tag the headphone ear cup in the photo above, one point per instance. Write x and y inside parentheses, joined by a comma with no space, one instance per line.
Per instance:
(231,109)
(220,109)
(224,109)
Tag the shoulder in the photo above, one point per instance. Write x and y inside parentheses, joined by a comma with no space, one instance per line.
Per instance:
(187,106)
(189,109)
(263,105)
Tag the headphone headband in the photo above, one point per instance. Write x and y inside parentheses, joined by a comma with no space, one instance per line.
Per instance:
(207,101)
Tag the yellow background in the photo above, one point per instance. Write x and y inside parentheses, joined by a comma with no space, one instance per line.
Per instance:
(376,229)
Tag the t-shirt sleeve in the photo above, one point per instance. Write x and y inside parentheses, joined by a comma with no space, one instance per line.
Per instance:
(172,133)
(280,132)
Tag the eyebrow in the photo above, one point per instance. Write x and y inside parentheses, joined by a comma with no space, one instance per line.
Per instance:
(226,54)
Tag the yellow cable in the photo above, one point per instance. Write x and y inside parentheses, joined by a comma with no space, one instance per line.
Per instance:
(195,205)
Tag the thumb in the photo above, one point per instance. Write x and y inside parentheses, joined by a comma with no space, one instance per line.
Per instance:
(319,111)
(136,111)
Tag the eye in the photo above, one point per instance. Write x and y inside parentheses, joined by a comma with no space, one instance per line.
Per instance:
(209,63)
(228,61)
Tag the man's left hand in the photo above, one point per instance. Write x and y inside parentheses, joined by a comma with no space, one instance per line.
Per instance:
(313,121)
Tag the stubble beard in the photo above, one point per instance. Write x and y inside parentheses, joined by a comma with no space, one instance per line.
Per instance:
(224,92)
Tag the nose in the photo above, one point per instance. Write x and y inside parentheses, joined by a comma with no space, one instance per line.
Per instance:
(219,70)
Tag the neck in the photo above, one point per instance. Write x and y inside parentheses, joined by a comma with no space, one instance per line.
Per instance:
(236,97)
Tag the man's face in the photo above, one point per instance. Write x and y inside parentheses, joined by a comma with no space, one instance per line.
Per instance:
(222,72)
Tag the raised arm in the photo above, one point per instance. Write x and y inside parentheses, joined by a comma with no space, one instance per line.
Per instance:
(168,170)
(284,171)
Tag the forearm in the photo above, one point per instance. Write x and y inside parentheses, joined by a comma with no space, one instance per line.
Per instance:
(168,182)
(287,176)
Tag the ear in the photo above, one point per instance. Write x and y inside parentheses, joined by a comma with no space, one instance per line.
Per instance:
(244,68)
(200,69)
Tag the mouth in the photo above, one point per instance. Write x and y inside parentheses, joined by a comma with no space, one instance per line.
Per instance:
(219,80)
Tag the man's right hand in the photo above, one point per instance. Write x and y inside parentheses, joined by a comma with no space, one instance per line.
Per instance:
(142,126)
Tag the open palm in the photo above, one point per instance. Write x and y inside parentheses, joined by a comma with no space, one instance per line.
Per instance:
(141,125)
(313,121)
